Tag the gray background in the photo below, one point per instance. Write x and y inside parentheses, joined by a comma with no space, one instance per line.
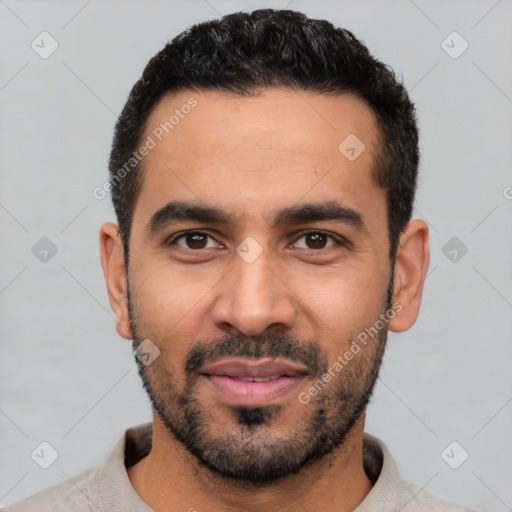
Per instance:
(66,376)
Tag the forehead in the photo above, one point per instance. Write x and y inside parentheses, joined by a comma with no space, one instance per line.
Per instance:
(282,144)
(310,123)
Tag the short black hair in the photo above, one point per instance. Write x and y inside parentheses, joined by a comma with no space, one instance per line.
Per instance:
(245,52)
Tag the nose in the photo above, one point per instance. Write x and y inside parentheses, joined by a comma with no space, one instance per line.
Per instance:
(253,298)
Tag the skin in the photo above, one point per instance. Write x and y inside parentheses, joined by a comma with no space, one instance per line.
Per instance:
(249,156)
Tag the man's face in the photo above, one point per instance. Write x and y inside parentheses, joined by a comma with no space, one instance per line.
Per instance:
(257,286)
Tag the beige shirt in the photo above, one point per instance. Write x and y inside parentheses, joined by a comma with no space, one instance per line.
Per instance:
(106,487)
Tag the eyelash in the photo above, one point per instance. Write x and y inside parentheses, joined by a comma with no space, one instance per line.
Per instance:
(338,240)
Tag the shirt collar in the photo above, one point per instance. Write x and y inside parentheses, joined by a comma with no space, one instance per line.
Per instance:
(381,469)
(110,486)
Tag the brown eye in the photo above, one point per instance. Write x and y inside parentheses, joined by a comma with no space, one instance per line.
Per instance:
(316,240)
(195,240)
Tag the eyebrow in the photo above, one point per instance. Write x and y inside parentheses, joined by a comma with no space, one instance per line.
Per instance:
(328,211)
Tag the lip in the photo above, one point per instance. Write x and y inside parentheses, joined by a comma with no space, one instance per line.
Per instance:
(234,379)
(240,367)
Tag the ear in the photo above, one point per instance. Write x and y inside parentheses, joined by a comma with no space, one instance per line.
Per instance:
(114,270)
(411,266)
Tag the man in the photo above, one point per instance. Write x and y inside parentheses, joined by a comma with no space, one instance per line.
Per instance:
(263,173)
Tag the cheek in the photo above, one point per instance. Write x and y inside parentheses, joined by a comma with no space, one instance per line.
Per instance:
(347,316)
(170,302)
(347,299)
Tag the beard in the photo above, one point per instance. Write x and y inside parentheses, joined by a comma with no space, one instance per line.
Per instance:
(249,448)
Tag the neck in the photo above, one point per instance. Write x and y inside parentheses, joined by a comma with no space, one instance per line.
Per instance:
(170,478)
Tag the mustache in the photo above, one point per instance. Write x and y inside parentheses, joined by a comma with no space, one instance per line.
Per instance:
(309,353)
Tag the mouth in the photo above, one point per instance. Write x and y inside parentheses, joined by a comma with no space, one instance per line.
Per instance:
(253,382)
